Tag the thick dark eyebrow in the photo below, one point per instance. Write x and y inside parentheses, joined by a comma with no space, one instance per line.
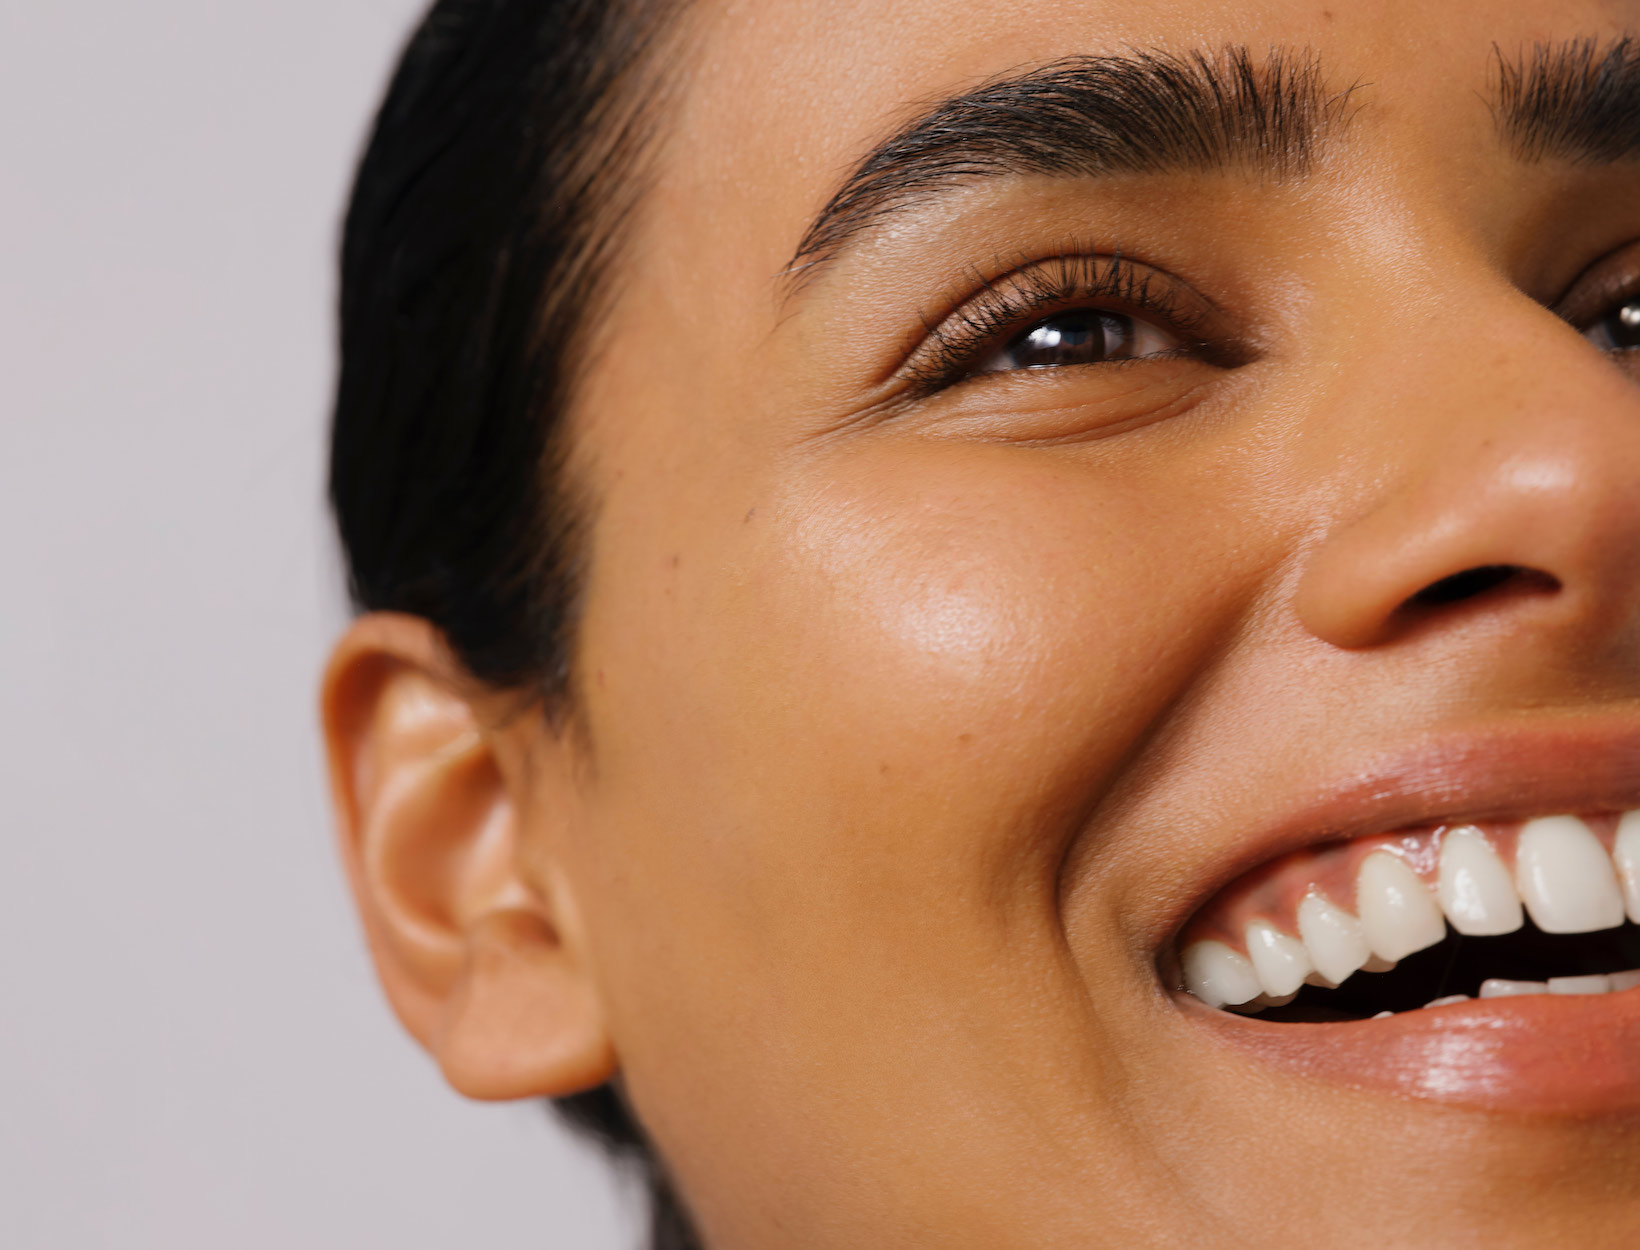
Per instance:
(1574,101)
(1094,116)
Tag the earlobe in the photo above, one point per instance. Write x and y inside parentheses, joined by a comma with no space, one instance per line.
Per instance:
(482,966)
(522,1022)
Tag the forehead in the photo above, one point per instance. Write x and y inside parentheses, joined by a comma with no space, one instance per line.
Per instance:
(783,97)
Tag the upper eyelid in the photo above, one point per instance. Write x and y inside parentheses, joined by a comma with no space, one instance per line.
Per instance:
(1579,304)
(1113,262)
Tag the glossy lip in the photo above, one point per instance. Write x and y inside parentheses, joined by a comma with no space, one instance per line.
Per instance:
(1540,1054)
(1546,1054)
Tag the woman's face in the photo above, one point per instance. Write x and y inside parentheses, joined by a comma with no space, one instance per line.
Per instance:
(983,602)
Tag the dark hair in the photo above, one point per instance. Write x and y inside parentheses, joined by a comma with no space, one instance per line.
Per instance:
(476,257)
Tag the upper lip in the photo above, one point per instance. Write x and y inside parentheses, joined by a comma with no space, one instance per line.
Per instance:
(1582,764)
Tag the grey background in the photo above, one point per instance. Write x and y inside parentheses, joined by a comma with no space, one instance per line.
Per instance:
(193,1052)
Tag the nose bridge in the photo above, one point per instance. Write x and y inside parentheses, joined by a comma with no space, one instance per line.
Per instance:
(1492,437)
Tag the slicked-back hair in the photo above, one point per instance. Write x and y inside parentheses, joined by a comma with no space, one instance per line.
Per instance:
(477,255)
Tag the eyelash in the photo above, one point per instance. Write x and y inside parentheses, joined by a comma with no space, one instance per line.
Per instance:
(1080,279)
(1033,290)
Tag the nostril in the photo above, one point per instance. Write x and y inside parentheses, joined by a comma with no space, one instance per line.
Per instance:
(1475,582)
(1466,585)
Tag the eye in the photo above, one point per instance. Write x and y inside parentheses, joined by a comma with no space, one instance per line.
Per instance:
(1619,329)
(1081,337)
(1073,308)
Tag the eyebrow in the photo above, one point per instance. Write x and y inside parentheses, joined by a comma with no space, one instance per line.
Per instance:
(1572,101)
(1142,112)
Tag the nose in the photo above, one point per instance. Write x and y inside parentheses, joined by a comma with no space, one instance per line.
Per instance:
(1506,483)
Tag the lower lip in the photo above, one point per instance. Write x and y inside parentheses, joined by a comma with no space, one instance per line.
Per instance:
(1547,1054)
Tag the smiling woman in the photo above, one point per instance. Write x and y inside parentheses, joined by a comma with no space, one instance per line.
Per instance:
(967,610)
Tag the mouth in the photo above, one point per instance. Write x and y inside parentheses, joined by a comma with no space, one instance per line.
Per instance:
(1415,919)
(1493,961)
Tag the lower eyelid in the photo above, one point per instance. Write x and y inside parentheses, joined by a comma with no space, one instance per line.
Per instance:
(1048,407)
(1087,374)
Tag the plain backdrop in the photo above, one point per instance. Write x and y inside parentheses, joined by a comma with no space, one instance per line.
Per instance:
(193,1052)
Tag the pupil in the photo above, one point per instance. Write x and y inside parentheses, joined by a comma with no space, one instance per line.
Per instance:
(1624,325)
(1072,339)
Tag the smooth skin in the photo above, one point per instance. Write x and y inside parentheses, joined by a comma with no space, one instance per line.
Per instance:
(902,733)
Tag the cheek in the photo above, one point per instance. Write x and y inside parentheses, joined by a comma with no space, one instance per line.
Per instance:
(990,596)
(880,708)
(905,662)
(845,727)
(896,664)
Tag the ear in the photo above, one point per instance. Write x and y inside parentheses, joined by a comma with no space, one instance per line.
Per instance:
(485,968)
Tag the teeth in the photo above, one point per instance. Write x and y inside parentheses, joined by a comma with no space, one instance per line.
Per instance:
(1333,938)
(1626,855)
(1281,962)
(1218,975)
(1615,983)
(1475,890)
(1580,985)
(1497,987)
(1398,914)
(1566,877)
(1562,874)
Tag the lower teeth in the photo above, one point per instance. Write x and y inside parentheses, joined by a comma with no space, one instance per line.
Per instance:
(1428,977)
(1450,998)
(1497,987)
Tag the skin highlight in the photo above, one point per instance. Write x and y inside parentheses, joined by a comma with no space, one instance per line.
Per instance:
(907,732)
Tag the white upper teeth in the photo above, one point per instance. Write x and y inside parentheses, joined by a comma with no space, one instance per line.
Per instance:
(1566,878)
(1398,916)
(1218,975)
(1568,882)
(1333,938)
(1476,892)
(1281,962)
(1626,856)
